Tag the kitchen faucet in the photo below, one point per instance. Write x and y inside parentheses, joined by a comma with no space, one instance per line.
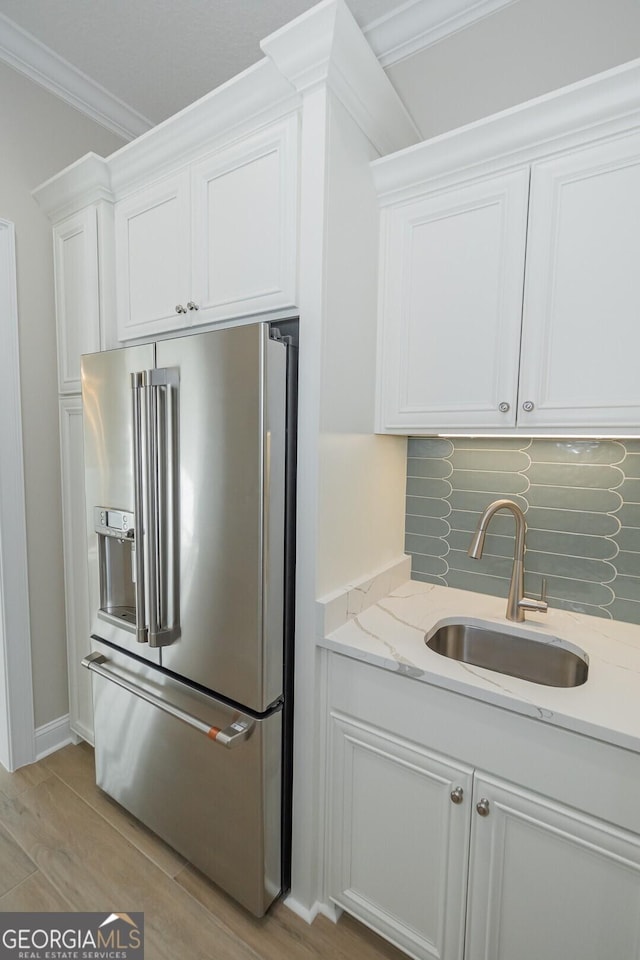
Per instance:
(517,603)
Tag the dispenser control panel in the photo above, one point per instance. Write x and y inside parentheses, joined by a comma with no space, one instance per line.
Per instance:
(113,523)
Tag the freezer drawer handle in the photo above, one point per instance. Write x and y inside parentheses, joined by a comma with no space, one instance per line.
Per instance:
(230,736)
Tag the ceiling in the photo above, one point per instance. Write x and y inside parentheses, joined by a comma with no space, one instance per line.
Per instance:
(157,56)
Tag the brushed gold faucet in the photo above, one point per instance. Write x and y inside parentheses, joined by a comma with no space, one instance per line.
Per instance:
(517,603)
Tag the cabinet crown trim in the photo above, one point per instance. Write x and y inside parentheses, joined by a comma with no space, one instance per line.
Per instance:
(86,181)
(602,105)
(325,45)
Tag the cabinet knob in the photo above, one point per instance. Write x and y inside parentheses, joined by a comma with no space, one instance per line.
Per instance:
(528,406)
(504,407)
(192,306)
(180,308)
(483,807)
(457,795)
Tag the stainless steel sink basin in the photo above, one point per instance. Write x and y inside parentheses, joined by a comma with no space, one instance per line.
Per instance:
(544,660)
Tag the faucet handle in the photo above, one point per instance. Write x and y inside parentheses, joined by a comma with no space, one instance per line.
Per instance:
(535,604)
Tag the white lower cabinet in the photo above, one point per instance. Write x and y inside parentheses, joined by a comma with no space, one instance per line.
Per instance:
(546,881)
(450,862)
(399,844)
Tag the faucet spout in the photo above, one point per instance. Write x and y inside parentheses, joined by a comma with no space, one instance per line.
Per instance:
(517,603)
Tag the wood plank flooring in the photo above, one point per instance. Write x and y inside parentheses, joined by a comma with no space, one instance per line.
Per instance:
(64,845)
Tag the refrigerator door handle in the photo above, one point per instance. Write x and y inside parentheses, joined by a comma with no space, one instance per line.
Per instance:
(140,520)
(230,736)
(160,497)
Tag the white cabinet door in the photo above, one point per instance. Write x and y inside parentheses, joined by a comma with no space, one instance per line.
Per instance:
(75,252)
(74,521)
(153,258)
(398,842)
(548,882)
(452,307)
(581,332)
(244,202)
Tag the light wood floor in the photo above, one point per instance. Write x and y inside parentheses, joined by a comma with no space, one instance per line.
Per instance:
(64,845)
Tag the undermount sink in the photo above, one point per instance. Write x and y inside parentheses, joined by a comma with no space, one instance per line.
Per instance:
(543,660)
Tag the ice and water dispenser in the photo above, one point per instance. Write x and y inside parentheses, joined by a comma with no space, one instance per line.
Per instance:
(117,564)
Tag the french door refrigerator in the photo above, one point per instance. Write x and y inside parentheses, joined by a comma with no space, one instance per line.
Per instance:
(190,462)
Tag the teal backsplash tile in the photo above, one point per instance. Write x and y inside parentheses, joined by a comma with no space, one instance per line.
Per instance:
(581,499)
(631,466)
(571,544)
(431,447)
(575,475)
(629,515)
(428,487)
(512,461)
(627,538)
(574,520)
(429,467)
(630,490)
(487,480)
(579,451)
(559,498)
(628,588)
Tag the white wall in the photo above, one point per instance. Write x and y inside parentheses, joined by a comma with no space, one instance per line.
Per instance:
(524,50)
(40,135)
(361,476)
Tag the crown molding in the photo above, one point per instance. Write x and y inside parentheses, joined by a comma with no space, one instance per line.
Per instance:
(405,31)
(258,95)
(604,105)
(326,46)
(418,24)
(39,63)
(88,180)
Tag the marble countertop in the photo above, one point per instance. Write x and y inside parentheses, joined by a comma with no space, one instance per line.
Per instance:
(390,634)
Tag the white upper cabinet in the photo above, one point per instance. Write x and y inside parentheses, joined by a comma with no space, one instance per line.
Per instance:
(215,241)
(244,225)
(75,253)
(504,309)
(453,267)
(581,331)
(153,258)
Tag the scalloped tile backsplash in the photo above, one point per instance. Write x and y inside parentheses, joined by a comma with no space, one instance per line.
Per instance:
(582,504)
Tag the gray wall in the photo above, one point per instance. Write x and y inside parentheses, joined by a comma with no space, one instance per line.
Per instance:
(40,135)
(524,50)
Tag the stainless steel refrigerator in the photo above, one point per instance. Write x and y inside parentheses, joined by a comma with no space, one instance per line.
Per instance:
(190,464)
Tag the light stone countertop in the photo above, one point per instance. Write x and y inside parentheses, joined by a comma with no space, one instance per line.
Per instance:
(390,634)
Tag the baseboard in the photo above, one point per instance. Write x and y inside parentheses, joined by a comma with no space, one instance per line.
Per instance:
(309,914)
(53,736)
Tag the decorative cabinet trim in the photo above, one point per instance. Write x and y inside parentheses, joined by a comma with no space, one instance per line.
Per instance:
(600,106)
(76,581)
(327,46)
(77,297)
